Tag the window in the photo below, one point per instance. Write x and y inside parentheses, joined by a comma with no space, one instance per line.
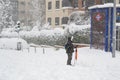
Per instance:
(65,20)
(22,21)
(66,3)
(118,17)
(75,3)
(109,1)
(23,12)
(49,20)
(23,3)
(57,4)
(57,21)
(49,5)
(83,3)
(89,3)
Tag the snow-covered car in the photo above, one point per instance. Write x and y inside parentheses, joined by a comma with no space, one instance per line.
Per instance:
(12,43)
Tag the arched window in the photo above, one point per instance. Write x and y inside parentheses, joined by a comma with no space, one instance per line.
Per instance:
(65,20)
(75,3)
(66,3)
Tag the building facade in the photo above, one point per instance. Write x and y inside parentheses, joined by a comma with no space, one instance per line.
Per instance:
(89,3)
(30,11)
(55,13)
(14,10)
(118,1)
(24,14)
(20,11)
(58,11)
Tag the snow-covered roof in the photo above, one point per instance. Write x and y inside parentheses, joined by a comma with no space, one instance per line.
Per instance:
(78,12)
(118,24)
(67,8)
(104,6)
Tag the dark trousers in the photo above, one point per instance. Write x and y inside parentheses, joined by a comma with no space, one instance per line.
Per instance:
(69,58)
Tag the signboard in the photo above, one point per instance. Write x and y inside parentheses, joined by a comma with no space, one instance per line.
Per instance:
(98,19)
(102,26)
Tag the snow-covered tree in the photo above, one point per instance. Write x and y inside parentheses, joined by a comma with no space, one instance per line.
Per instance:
(35,28)
(80,17)
(5,16)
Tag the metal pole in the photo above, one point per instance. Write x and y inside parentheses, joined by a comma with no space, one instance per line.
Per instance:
(109,24)
(118,38)
(114,30)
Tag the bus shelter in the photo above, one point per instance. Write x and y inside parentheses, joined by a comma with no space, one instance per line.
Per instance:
(102,26)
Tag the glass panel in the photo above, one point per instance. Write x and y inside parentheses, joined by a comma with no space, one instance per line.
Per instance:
(49,5)
(57,21)
(57,4)
(65,20)
(49,20)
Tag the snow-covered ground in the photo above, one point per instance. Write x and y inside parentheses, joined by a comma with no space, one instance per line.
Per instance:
(91,65)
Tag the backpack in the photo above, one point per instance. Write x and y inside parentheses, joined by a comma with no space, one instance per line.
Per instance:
(69,48)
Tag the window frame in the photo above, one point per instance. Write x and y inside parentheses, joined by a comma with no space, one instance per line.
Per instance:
(76,4)
(83,3)
(49,19)
(57,4)
(49,5)
(65,20)
(57,21)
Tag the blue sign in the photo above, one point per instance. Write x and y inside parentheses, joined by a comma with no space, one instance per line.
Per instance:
(102,27)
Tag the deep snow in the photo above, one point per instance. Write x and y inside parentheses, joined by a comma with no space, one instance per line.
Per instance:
(91,65)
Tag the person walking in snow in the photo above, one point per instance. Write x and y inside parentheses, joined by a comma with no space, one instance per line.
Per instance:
(69,47)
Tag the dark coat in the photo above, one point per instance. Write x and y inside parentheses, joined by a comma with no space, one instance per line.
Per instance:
(69,47)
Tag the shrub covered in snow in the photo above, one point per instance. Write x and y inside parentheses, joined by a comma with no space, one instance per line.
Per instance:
(49,37)
(9,33)
(82,36)
(55,36)
(80,17)
(81,33)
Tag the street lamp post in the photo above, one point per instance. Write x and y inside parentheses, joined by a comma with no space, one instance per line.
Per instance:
(114,30)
